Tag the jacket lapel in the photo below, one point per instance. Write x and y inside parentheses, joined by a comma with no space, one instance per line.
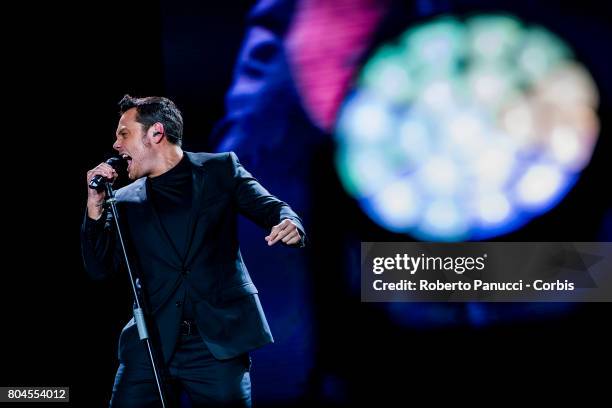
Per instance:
(198,180)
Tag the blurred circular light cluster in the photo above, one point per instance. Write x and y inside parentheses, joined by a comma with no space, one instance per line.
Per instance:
(466,128)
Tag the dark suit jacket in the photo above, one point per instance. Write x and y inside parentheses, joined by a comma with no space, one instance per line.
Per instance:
(229,314)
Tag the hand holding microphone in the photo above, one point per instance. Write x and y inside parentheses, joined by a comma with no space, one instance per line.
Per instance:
(96,178)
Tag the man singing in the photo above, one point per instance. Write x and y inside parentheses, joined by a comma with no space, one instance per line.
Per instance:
(180,217)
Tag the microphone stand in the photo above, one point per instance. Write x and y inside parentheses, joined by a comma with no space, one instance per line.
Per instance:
(139,301)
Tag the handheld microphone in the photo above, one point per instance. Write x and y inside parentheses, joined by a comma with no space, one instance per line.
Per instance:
(97,183)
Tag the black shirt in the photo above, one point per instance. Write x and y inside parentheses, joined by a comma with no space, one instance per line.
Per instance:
(171,195)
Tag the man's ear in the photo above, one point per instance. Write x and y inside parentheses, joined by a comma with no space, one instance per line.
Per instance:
(158,132)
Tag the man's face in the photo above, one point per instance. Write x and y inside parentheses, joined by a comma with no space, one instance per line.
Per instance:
(133,144)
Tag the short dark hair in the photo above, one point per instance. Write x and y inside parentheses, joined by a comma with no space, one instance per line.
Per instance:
(152,109)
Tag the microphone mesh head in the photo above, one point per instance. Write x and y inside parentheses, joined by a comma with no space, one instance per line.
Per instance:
(117,163)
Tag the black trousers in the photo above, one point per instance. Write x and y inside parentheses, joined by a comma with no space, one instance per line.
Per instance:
(197,379)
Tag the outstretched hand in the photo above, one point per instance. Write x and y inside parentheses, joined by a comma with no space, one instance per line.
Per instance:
(286,232)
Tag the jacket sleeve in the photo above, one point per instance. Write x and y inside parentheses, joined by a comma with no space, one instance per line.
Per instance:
(257,204)
(99,250)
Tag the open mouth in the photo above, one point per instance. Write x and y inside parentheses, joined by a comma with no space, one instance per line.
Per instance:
(128,159)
